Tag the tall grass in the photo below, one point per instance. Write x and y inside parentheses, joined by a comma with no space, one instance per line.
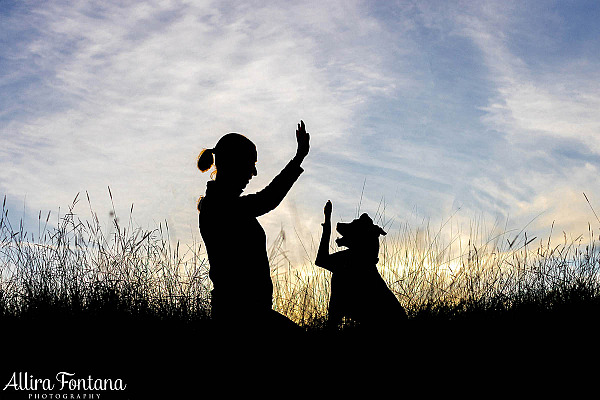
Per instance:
(494,274)
(76,268)
(455,276)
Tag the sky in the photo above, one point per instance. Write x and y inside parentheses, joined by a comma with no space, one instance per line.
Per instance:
(417,110)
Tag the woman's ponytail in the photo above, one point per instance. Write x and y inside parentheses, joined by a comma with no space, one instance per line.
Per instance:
(206,159)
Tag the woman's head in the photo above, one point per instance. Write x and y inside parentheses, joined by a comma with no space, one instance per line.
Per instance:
(234,157)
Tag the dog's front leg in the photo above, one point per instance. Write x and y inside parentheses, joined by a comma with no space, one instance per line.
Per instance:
(323,257)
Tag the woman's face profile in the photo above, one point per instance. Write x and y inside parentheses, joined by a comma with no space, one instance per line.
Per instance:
(238,173)
(248,170)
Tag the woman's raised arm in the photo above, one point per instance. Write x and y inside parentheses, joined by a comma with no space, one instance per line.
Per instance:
(268,198)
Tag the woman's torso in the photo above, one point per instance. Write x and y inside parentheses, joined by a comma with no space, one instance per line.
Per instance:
(236,247)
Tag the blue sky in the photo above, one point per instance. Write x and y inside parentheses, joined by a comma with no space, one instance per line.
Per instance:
(476,110)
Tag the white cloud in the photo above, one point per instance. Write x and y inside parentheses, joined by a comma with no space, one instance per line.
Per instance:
(126,95)
(539,111)
(140,89)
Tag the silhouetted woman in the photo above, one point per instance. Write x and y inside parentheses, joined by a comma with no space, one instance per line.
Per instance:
(235,242)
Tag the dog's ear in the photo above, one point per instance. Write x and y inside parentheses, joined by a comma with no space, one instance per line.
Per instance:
(379,230)
(366,219)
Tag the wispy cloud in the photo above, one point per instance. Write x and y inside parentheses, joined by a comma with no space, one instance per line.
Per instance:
(544,106)
(433,106)
(140,89)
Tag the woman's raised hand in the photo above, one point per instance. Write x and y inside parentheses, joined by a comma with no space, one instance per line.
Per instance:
(303,139)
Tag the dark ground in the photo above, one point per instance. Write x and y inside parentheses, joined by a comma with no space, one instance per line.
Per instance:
(169,358)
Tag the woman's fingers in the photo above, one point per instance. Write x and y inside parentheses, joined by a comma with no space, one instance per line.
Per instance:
(303,139)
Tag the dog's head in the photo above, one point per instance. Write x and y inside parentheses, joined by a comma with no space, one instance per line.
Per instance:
(358,232)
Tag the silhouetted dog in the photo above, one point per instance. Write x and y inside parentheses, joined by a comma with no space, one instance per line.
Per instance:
(358,292)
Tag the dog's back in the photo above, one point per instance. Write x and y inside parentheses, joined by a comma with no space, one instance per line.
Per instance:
(359,293)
